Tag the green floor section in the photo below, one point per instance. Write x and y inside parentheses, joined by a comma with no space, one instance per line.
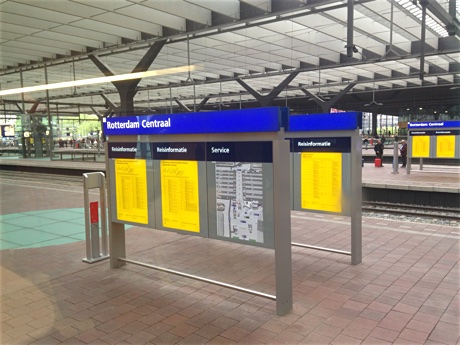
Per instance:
(42,228)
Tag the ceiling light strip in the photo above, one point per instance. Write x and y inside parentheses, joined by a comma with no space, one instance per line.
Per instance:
(99,80)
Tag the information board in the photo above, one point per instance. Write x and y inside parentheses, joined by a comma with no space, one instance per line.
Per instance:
(445,146)
(229,121)
(321,181)
(177,185)
(421,146)
(7,131)
(241,175)
(179,195)
(131,189)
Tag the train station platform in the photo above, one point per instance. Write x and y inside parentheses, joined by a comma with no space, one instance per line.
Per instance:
(405,291)
(432,178)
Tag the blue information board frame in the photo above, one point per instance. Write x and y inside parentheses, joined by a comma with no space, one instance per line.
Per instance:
(230,121)
(324,122)
(433,124)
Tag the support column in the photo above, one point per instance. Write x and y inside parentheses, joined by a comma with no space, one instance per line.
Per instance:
(197,108)
(374,124)
(127,89)
(327,105)
(422,40)
(266,100)
(50,122)
(350,12)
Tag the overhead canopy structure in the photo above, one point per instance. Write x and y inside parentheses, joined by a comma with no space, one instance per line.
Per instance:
(386,56)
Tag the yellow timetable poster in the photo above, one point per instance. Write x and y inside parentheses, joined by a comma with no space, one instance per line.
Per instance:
(321,181)
(445,146)
(421,146)
(131,188)
(179,195)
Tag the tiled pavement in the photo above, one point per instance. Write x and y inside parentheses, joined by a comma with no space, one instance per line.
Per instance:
(406,290)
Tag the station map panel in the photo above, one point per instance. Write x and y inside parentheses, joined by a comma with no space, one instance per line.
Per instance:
(242,175)
(239,195)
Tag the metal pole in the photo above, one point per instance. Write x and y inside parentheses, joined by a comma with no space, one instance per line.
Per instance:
(282,224)
(409,153)
(50,123)
(23,139)
(96,250)
(170,99)
(395,158)
(422,41)
(350,45)
(89,251)
(421,163)
(117,240)
(321,248)
(356,197)
(206,280)
(102,205)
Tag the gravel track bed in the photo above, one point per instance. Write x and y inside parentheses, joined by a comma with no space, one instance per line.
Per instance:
(413,219)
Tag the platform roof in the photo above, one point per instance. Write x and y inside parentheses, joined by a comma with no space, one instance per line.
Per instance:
(223,45)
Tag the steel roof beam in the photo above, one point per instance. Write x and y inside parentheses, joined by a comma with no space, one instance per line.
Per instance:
(448,19)
(127,89)
(266,100)
(327,105)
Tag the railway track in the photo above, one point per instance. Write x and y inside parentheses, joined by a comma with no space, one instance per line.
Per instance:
(41,177)
(451,214)
(368,208)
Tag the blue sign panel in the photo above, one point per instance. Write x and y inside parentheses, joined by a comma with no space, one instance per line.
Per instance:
(178,151)
(229,121)
(122,150)
(240,151)
(433,124)
(340,144)
(324,122)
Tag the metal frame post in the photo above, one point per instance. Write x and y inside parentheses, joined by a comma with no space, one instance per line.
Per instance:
(356,201)
(91,181)
(395,158)
(282,221)
(355,192)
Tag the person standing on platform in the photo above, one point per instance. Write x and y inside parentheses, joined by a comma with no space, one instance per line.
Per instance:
(378,148)
(403,150)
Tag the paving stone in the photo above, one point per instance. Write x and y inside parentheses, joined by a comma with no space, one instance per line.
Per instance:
(404,292)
